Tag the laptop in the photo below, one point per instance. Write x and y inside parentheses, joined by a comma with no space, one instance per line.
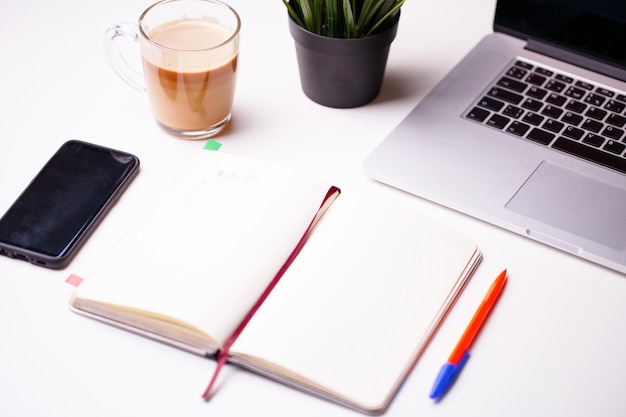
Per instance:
(528,131)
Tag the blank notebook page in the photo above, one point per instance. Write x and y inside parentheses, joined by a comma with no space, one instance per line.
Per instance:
(357,305)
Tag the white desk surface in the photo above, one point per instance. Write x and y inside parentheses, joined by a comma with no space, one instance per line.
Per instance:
(553,347)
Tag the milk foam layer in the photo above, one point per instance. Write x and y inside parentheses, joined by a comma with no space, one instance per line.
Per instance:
(192,45)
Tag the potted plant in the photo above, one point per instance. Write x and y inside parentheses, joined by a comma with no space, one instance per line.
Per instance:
(342,47)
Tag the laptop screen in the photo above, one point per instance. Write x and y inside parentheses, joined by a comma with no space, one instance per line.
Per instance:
(595,29)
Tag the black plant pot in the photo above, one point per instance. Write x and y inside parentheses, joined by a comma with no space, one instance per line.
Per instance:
(342,73)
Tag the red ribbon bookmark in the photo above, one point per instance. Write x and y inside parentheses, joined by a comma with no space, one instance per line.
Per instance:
(222,355)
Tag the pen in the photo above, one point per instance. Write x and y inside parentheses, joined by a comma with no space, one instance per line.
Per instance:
(451,369)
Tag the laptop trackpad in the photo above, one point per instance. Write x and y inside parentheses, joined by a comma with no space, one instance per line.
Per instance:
(575,203)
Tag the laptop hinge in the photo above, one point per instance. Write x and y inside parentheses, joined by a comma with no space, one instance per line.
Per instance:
(576,59)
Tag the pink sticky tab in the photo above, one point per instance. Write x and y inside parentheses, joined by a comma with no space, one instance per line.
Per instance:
(74,280)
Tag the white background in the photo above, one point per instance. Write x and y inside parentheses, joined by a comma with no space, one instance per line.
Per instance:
(552,347)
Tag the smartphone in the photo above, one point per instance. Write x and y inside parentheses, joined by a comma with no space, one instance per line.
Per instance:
(62,205)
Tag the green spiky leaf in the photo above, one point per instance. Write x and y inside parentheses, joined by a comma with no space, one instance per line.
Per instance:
(343,18)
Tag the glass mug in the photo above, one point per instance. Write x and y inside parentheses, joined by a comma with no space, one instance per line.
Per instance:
(189,51)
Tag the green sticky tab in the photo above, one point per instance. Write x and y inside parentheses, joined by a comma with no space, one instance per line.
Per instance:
(212,145)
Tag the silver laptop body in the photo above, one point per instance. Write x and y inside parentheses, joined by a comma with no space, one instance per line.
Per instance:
(491,171)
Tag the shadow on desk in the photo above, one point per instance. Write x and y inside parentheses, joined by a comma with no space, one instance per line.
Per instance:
(402,83)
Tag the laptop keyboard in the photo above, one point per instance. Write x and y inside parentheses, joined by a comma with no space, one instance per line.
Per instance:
(559,111)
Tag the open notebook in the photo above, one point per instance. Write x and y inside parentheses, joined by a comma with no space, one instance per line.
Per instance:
(232,259)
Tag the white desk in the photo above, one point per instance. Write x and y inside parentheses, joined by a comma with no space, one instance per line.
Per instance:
(554,346)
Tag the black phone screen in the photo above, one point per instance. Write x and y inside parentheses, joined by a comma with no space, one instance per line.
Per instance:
(62,202)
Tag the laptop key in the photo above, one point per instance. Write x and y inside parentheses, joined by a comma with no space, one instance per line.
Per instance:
(596,113)
(553,126)
(552,111)
(616,120)
(564,78)
(615,106)
(543,71)
(585,85)
(512,84)
(605,92)
(518,128)
(533,118)
(572,118)
(478,114)
(540,136)
(615,147)
(505,95)
(498,121)
(532,104)
(573,132)
(554,85)
(536,92)
(576,106)
(595,100)
(554,98)
(574,92)
(491,104)
(517,72)
(524,64)
(512,111)
(593,140)
(612,132)
(536,79)
(592,125)
(591,154)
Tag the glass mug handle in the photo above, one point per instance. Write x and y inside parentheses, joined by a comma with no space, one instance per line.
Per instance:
(115,56)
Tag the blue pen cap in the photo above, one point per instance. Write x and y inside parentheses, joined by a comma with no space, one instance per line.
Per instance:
(446,377)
